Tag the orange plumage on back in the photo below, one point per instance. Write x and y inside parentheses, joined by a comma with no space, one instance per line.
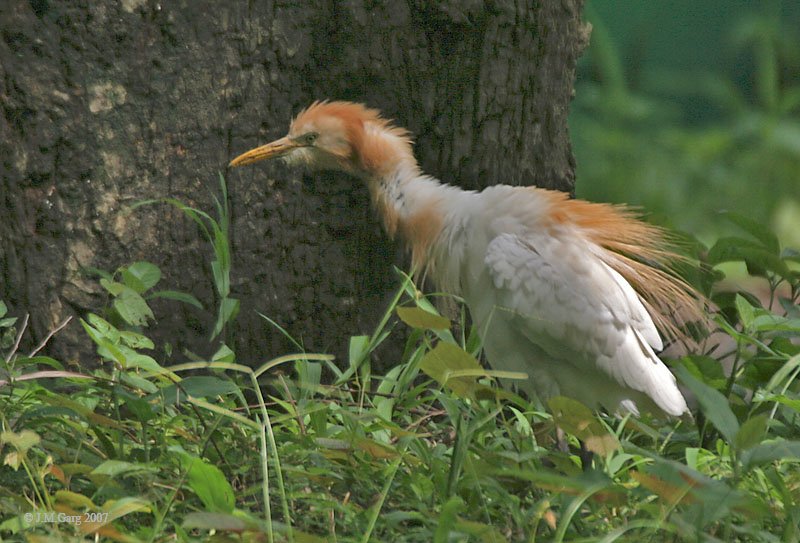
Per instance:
(571,292)
(642,254)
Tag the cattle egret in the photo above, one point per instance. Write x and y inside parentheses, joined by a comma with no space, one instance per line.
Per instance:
(570,292)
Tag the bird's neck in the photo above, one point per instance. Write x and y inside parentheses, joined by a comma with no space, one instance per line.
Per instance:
(413,207)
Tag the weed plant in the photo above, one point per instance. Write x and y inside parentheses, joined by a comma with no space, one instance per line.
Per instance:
(304,449)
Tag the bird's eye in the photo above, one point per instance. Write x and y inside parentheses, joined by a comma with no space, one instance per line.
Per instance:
(310,138)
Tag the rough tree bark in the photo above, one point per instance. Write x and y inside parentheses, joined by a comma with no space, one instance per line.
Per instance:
(108,103)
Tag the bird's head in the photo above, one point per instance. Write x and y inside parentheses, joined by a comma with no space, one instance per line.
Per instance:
(337,136)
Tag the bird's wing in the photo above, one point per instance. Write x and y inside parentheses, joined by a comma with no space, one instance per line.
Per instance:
(566,300)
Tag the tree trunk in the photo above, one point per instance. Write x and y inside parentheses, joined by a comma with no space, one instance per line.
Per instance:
(109,103)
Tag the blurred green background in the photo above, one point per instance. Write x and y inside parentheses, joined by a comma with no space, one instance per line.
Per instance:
(687,108)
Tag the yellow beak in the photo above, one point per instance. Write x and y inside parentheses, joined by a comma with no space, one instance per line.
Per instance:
(271,150)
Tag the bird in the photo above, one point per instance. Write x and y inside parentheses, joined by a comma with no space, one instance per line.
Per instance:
(577,295)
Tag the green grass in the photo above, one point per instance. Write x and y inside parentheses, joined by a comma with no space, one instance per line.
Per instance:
(303,449)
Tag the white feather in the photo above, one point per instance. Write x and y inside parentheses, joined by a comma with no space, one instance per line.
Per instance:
(547,304)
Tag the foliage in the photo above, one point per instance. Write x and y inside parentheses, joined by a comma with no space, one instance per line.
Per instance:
(301,449)
(217,232)
(130,289)
(698,140)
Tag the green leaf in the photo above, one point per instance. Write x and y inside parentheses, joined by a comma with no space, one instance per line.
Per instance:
(224,354)
(133,308)
(731,249)
(136,381)
(419,318)
(147,274)
(175,295)
(760,232)
(707,369)
(208,482)
(3,308)
(132,282)
(522,421)
(114,468)
(104,328)
(791,403)
(204,386)
(21,441)
(766,452)
(447,519)
(714,405)
(485,533)
(109,351)
(778,378)
(106,346)
(359,346)
(221,278)
(221,248)
(769,322)
(228,309)
(446,358)
(577,419)
(74,500)
(7,322)
(124,506)
(709,500)
(746,311)
(135,341)
(46,360)
(112,286)
(554,482)
(138,360)
(751,432)
(200,386)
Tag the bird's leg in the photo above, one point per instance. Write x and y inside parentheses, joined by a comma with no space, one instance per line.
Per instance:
(561,440)
(586,456)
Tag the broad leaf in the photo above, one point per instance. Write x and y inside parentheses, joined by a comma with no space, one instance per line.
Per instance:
(766,452)
(21,441)
(208,482)
(746,311)
(224,354)
(445,359)
(147,274)
(133,308)
(714,405)
(751,432)
(419,318)
(103,327)
(135,341)
(112,286)
(731,249)
(763,234)
(577,419)
(7,322)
